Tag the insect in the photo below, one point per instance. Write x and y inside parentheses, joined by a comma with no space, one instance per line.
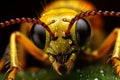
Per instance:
(59,37)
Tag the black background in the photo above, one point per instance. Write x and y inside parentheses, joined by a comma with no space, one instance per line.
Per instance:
(28,8)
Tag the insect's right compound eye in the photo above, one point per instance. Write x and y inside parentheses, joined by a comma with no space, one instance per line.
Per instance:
(38,35)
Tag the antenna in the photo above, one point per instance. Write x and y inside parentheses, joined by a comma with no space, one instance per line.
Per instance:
(29,20)
(91,13)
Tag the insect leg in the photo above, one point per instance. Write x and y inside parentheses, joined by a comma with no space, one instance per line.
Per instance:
(105,47)
(14,64)
(2,63)
(116,54)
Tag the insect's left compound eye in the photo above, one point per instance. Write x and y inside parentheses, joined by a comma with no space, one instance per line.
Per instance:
(83,31)
(38,35)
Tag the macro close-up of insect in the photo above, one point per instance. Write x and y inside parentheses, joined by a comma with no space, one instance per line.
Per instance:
(66,35)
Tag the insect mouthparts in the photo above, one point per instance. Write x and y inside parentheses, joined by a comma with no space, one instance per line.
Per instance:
(62,69)
(62,58)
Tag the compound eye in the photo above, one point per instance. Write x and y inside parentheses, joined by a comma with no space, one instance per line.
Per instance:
(38,35)
(83,32)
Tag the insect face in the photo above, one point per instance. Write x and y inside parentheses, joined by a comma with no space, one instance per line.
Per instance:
(62,48)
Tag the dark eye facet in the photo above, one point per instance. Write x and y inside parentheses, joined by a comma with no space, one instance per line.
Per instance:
(38,35)
(83,31)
